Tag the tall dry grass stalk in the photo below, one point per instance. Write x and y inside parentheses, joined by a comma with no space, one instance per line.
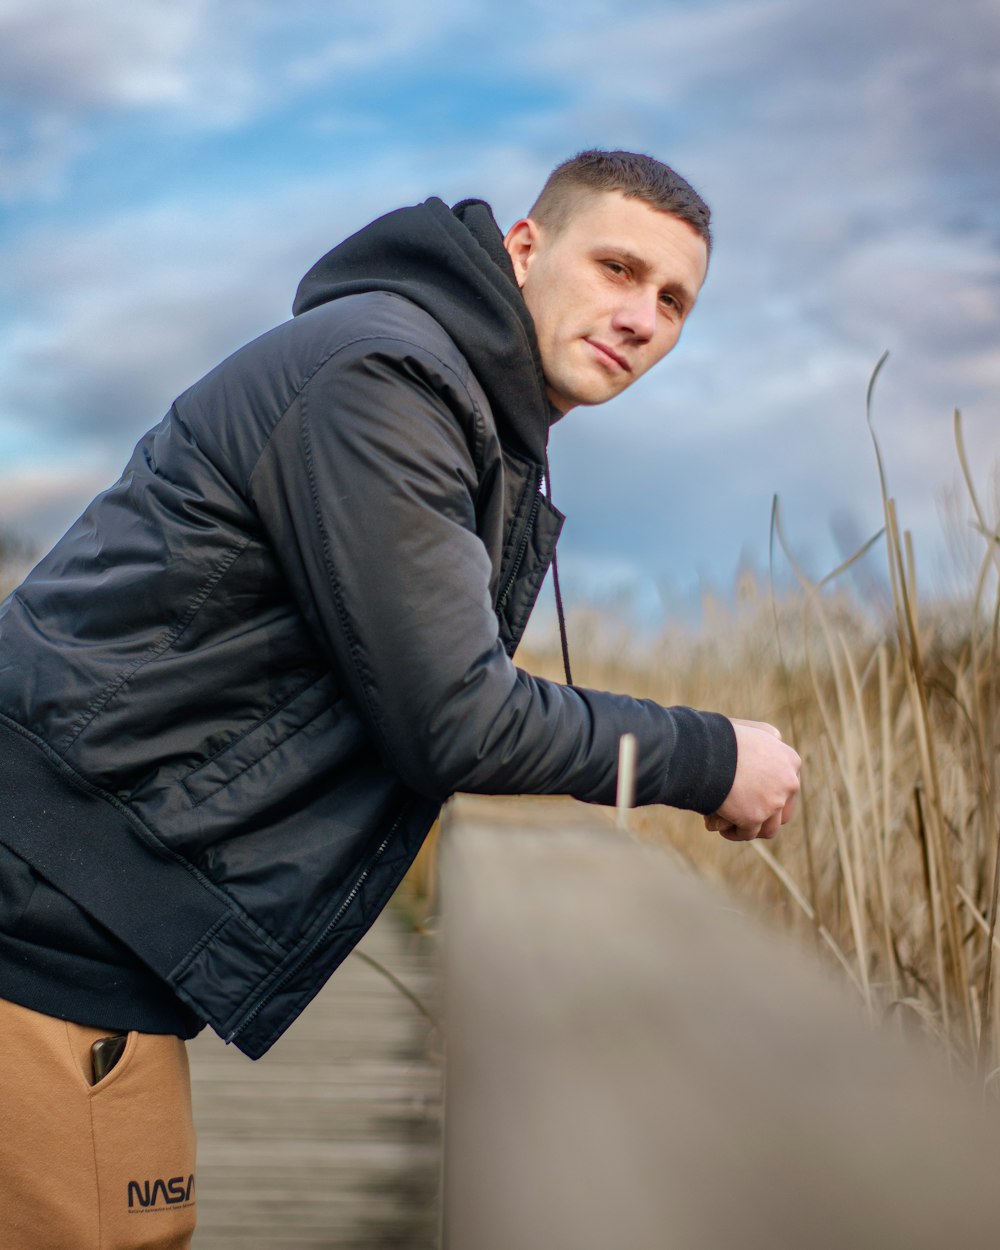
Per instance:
(890,867)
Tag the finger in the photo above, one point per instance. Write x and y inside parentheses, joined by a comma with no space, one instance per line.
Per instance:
(771,826)
(788,811)
(718,824)
(740,833)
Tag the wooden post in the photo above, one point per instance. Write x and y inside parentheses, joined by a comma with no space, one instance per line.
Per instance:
(633,1064)
(626,778)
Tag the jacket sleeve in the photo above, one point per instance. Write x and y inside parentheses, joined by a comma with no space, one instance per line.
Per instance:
(367,489)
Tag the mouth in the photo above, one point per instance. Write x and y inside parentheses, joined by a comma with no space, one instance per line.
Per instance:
(609,355)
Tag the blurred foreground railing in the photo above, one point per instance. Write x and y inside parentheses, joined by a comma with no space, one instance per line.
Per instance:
(635,1065)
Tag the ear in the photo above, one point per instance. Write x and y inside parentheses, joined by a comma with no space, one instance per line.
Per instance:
(521,242)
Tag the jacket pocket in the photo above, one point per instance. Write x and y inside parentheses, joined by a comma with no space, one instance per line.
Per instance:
(259,741)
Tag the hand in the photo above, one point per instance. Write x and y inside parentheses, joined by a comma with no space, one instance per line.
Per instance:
(767,780)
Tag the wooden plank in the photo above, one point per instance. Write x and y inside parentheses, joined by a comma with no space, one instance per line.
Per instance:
(634,1063)
(333,1138)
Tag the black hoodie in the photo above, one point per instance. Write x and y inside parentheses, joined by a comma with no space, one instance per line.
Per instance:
(453,264)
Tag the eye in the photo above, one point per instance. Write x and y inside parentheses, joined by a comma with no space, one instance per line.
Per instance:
(615,267)
(670,302)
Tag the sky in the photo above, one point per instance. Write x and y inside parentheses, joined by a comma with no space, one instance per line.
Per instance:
(170,168)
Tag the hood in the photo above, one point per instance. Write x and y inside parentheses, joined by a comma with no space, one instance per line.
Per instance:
(452,263)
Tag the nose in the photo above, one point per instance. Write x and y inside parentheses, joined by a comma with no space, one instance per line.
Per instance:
(636,314)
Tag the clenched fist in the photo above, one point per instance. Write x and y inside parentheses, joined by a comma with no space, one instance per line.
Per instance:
(767,780)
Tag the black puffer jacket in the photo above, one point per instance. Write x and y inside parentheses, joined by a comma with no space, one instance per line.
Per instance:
(235,694)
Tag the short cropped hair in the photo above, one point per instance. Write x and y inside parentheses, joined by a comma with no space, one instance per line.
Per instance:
(634,175)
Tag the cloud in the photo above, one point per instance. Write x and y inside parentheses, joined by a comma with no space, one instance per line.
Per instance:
(848,153)
(782,106)
(69,68)
(63,54)
(224,57)
(115,317)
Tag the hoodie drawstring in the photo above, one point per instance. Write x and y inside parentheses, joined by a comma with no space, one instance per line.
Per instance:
(555,584)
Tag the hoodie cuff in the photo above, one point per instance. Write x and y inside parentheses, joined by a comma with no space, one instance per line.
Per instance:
(702,766)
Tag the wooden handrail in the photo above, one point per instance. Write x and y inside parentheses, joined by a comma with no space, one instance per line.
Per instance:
(635,1064)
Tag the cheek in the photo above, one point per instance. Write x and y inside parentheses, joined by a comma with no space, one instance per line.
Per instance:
(540,306)
(554,325)
(661,346)
(666,341)
(559,302)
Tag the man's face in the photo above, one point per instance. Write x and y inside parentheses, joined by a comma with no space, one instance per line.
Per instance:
(609,293)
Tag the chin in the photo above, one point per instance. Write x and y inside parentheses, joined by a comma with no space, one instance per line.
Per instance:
(584,394)
(594,395)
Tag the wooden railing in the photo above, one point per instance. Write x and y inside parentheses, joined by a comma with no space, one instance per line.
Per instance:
(634,1064)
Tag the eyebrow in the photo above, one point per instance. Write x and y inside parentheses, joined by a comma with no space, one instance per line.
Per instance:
(677,289)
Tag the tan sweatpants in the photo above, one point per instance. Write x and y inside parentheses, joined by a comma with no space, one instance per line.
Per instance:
(92,1167)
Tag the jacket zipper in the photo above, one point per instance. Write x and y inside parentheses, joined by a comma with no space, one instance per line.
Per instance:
(522,545)
(317,942)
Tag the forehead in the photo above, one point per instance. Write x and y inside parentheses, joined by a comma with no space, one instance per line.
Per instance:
(609,219)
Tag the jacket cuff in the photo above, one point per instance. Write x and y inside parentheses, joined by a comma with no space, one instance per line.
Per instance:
(703,764)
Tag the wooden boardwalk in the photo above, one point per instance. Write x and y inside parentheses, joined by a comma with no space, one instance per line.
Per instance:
(332,1139)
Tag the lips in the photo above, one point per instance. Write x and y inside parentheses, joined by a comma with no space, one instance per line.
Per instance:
(609,354)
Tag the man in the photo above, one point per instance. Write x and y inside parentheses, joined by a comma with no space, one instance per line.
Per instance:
(236,693)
